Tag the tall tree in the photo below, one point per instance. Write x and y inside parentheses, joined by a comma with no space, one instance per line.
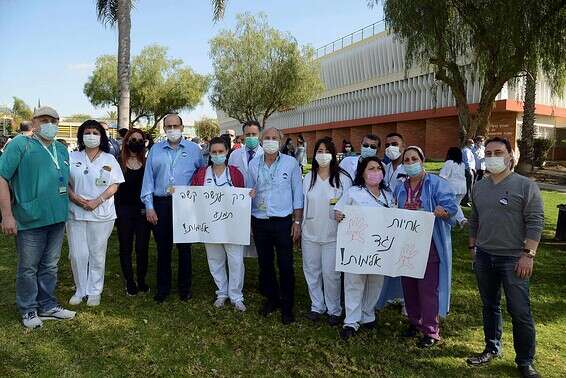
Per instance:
(20,112)
(259,70)
(207,128)
(546,53)
(159,85)
(119,11)
(465,40)
(112,12)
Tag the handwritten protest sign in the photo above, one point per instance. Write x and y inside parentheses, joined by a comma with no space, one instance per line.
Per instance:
(211,215)
(378,240)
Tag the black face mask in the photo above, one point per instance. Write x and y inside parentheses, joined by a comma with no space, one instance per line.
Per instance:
(136,145)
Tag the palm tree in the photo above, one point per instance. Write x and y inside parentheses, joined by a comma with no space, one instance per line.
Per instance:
(118,11)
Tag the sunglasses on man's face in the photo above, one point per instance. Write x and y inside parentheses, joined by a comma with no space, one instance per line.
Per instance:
(372,146)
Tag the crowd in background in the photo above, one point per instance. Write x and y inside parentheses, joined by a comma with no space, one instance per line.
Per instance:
(46,191)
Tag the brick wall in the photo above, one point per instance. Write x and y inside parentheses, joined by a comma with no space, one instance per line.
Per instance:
(504,125)
(356,135)
(338,135)
(382,130)
(414,132)
(441,134)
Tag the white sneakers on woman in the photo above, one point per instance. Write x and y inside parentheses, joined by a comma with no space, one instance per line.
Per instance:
(93,300)
(75,300)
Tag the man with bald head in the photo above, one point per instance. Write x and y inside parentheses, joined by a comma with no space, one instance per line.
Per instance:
(169,163)
(277,211)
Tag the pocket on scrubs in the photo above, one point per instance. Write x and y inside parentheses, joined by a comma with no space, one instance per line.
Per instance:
(27,212)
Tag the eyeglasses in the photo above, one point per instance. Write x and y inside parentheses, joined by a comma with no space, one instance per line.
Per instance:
(392,144)
(372,146)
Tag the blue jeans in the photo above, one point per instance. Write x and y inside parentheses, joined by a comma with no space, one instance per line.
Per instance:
(38,250)
(494,272)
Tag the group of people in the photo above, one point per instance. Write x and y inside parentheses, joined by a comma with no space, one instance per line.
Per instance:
(45,190)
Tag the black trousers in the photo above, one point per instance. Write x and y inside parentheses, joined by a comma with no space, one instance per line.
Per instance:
(132,223)
(163,234)
(469,184)
(479,174)
(274,235)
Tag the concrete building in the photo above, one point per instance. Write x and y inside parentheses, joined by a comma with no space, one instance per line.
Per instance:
(369,91)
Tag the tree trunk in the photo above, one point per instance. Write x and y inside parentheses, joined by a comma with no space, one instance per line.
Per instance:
(124,26)
(528,129)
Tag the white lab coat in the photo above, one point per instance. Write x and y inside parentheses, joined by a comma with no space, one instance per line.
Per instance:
(455,175)
(239,159)
(350,164)
(318,243)
(391,178)
(361,291)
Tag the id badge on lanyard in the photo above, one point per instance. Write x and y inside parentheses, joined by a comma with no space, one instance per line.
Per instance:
(55,159)
(170,186)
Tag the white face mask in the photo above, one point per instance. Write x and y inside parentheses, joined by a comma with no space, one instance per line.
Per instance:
(495,164)
(393,152)
(323,159)
(91,140)
(271,146)
(173,135)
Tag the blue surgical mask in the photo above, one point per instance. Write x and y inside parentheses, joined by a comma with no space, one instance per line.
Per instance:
(252,142)
(367,152)
(48,130)
(413,169)
(218,159)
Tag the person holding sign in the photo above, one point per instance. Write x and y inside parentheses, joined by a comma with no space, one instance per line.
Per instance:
(361,291)
(95,176)
(427,298)
(169,163)
(322,187)
(505,229)
(277,210)
(34,172)
(217,174)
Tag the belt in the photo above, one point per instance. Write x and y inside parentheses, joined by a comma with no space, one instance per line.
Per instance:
(162,199)
(287,218)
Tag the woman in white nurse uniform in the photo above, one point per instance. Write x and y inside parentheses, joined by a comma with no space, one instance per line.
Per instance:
(322,188)
(361,291)
(94,178)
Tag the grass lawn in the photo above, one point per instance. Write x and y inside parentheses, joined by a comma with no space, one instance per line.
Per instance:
(133,336)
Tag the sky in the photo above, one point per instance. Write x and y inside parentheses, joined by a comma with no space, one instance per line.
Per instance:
(49,46)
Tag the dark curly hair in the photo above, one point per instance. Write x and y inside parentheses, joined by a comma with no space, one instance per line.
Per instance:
(359,180)
(93,124)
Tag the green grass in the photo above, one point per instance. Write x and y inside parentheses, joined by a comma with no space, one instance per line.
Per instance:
(135,337)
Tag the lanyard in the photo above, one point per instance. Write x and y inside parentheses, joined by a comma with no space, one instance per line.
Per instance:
(53,154)
(228,181)
(413,195)
(270,171)
(385,204)
(173,162)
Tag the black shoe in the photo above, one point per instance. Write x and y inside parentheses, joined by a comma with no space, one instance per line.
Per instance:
(334,320)
(160,298)
(482,359)
(268,308)
(143,288)
(185,296)
(131,288)
(528,371)
(412,331)
(314,316)
(287,319)
(427,342)
(347,332)
(370,325)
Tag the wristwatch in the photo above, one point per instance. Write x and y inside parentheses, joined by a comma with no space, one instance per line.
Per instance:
(530,252)
(297,222)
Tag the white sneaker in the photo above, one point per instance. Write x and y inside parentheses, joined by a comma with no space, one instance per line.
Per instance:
(75,300)
(93,300)
(219,302)
(31,320)
(240,306)
(57,313)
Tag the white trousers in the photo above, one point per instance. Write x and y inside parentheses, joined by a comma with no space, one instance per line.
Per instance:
(87,251)
(229,283)
(323,281)
(361,293)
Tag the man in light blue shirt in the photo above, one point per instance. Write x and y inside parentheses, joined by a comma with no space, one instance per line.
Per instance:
(277,210)
(169,163)
(469,161)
